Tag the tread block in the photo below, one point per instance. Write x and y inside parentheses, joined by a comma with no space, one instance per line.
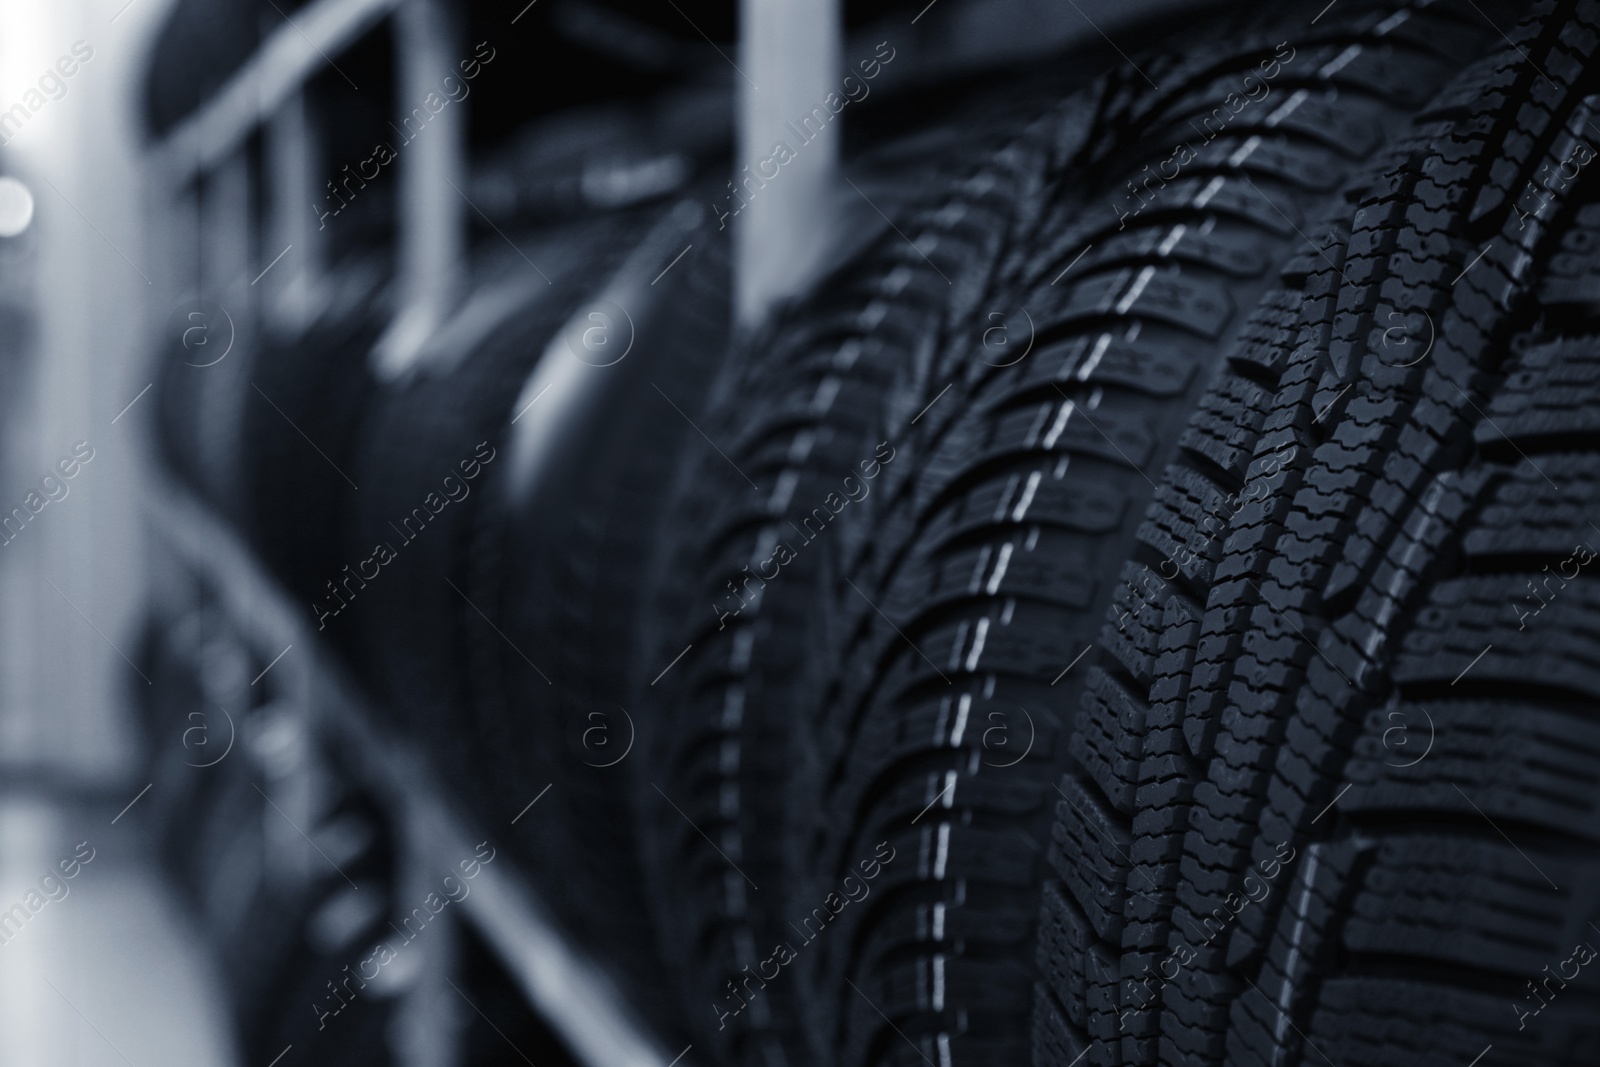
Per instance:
(1034,496)
(1150,365)
(1554,395)
(1200,306)
(1090,854)
(1542,636)
(1108,743)
(1233,250)
(1005,567)
(1064,940)
(1390,1022)
(1119,435)
(1011,636)
(1187,523)
(1470,902)
(1133,621)
(958,724)
(1535,765)
(1225,427)
(1527,516)
(1056,1042)
(1269,335)
(1573,277)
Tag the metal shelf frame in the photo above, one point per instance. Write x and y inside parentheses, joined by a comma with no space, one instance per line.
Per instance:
(577,999)
(266,82)
(203,179)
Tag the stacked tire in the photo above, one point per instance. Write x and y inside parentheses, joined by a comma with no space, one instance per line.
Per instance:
(287,914)
(498,634)
(1139,610)
(1164,568)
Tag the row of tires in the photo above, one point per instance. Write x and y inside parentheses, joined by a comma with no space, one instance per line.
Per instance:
(1137,610)
(294,866)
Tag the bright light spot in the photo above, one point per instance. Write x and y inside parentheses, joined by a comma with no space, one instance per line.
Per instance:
(16,207)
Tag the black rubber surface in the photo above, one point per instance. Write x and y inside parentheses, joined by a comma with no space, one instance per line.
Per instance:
(1141,610)
(939,665)
(1333,786)
(799,410)
(407,631)
(302,416)
(554,661)
(284,913)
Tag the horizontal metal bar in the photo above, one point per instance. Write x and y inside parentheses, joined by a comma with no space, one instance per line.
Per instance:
(573,994)
(318,33)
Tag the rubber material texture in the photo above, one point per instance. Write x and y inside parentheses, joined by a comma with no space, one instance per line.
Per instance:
(302,419)
(402,625)
(564,582)
(1334,798)
(958,626)
(798,408)
(217,811)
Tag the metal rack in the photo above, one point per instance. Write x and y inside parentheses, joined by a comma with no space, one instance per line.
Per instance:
(206,186)
(267,268)
(577,999)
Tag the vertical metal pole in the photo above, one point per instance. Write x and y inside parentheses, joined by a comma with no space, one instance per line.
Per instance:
(781,196)
(228,253)
(429,1028)
(431,145)
(228,246)
(292,231)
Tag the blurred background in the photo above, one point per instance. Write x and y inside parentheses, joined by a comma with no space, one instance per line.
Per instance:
(257,254)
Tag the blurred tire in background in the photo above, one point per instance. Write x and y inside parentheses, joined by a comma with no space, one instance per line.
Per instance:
(995,654)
